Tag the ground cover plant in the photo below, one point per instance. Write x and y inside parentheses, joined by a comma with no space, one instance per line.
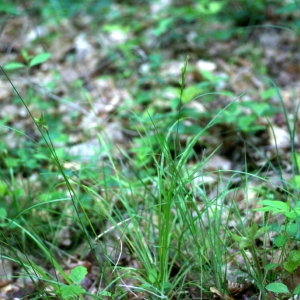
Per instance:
(149,150)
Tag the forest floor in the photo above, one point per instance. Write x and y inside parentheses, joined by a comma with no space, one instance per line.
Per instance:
(117,96)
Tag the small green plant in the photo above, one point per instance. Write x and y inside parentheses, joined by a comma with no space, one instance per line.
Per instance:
(75,289)
(30,61)
(286,233)
(281,288)
(236,116)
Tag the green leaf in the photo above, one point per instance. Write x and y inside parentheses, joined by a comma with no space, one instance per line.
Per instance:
(167,287)
(260,232)
(25,55)
(294,256)
(11,162)
(290,214)
(152,275)
(280,240)
(268,93)
(275,204)
(293,261)
(210,8)
(191,92)
(245,243)
(163,26)
(277,288)
(296,179)
(40,58)
(290,229)
(14,66)
(287,8)
(297,290)
(290,266)
(271,266)
(260,108)
(78,274)
(237,238)
(71,291)
(244,122)
(3,213)
(106,294)
(3,189)
(298,162)
(253,230)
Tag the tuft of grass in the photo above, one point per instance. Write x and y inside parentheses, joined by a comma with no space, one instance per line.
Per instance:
(157,232)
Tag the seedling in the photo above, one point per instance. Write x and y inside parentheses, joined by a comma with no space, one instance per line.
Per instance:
(30,61)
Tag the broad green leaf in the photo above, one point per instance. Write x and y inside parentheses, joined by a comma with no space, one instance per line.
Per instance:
(267,94)
(295,180)
(260,108)
(290,214)
(3,213)
(11,162)
(245,121)
(71,291)
(290,229)
(237,238)
(294,255)
(14,66)
(277,288)
(298,162)
(78,274)
(25,55)
(275,204)
(293,261)
(291,266)
(191,92)
(297,290)
(152,275)
(40,58)
(280,240)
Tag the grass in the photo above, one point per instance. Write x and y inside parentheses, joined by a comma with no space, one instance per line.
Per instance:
(153,222)
(156,234)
